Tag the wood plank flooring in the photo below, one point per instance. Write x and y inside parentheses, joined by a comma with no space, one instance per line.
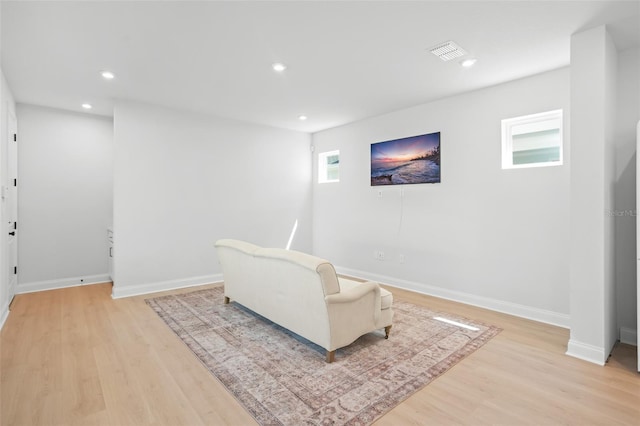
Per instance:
(76,357)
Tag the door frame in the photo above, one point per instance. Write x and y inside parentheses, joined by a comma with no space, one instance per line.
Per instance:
(11,206)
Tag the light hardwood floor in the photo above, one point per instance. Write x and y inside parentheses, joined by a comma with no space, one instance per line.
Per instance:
(77,357)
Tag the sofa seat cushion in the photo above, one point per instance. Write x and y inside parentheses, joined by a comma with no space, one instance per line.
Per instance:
(386,298)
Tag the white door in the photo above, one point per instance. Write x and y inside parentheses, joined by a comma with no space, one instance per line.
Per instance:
(11,205)
(638,240)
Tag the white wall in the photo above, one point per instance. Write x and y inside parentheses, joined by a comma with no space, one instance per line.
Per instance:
(7,105)
(65,175)
(487,236)
(184,180)
(624,215)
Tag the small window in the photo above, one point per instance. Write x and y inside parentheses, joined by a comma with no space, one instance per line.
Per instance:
(532,140)
(329,167)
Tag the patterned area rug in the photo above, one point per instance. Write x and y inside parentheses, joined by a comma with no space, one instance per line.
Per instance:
(283,379)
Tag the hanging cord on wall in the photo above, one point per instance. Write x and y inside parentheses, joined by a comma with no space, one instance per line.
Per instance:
(401,208)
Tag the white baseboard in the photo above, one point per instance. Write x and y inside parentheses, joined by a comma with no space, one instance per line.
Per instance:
(587,352)
(61,283)
(629,336)
(536,314)
(155,287)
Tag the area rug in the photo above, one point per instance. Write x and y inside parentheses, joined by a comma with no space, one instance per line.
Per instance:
(282,379)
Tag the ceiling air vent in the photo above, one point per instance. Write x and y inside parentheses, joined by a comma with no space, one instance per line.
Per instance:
(447,51)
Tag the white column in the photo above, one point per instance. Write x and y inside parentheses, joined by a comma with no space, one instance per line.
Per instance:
(592,286)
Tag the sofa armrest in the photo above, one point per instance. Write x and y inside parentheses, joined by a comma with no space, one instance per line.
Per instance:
(352,313)
(355,293)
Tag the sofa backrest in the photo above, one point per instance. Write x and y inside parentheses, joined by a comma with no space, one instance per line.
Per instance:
(324,268)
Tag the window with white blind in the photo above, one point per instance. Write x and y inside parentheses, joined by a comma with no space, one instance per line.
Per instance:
(329,167)
(532,140)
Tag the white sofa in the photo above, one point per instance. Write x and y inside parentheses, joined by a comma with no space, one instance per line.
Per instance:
(303,294)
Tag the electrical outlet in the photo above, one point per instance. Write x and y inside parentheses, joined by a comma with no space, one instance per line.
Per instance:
(380,255)
(402,258)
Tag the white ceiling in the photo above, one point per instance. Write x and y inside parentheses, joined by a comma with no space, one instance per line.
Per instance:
(346,60)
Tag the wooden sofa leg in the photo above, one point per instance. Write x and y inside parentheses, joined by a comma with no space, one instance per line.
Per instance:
(226,300)
(387,329)
(331,356)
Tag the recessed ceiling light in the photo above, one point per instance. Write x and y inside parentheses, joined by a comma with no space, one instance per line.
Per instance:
(107,75)
(302,117)
(467,63)
(87,106)
(279,67)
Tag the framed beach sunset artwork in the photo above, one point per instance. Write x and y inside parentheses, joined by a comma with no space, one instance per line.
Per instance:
(405,161)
